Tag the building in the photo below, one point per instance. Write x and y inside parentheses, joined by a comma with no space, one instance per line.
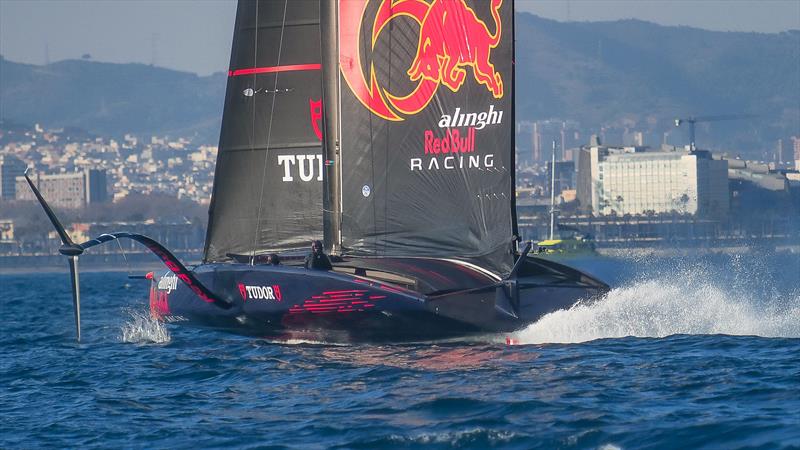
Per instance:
(67,190)
(96,186)
(639,181)
(758,174)
(796,148)
(7,243)
(6,230)
(10,168)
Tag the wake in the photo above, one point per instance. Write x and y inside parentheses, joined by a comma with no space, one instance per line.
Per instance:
(690,301)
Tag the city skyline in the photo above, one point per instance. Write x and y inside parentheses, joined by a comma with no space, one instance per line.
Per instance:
(168,34)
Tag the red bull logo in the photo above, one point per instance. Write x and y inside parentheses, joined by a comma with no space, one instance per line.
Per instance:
(453,41)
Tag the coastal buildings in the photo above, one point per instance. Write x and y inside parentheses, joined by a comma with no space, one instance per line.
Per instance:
(761,197)
(67,190)
(130,165)
(640,181)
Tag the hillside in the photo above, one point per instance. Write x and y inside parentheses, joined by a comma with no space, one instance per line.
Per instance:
(601,73)
(618,73)
(113,98)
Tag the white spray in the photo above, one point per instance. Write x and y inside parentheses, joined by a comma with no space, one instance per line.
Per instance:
(143,329)
(690,301)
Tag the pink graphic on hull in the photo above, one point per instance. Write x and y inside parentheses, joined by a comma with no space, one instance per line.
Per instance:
(343,301)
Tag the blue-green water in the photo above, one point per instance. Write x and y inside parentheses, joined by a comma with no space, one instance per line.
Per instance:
(683,353)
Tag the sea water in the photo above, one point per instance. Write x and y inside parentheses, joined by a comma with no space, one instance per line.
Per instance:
(682,353)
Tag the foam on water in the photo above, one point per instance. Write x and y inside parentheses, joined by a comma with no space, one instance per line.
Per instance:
(463,438)
(143,329)
(688,300)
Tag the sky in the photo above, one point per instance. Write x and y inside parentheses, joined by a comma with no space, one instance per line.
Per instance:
(195,35)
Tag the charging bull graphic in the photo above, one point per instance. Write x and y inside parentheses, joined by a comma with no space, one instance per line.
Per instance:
(452,39)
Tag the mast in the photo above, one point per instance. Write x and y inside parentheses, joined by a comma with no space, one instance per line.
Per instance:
(553,192)
(332,186)
(514,219)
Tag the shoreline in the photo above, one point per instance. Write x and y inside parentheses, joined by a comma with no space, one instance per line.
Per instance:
(140,263)
(137,263)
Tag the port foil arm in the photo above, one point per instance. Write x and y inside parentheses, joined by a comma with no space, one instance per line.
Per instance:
(170,260)
(72,250)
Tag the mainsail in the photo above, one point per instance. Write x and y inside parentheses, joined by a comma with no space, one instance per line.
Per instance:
(268,182)
(417,123)
(426,129)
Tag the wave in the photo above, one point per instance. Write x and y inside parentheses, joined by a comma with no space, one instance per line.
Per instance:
(688,300)
(143,329)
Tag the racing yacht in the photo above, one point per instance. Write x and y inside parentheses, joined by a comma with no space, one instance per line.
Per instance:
(384,128)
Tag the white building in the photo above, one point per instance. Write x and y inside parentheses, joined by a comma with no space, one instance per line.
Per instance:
(66,190)
(638,181)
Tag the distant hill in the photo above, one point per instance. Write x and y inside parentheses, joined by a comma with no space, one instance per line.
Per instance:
(618,73)
(113,99)
(605,72)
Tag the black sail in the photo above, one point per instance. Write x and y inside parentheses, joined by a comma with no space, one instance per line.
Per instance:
(426,129)
(268,183)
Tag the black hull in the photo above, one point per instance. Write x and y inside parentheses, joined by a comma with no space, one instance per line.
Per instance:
(426,299)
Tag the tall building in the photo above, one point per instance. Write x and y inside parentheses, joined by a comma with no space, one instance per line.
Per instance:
(637,181)
(10,168)
(67,190)
(96,186)
(796,147)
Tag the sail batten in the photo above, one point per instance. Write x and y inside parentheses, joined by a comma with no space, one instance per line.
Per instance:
(278,24)
(274,69)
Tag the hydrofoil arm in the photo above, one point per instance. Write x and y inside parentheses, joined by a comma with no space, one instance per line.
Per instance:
(72,250)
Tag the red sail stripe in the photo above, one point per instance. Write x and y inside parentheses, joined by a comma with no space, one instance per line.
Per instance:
(274,69)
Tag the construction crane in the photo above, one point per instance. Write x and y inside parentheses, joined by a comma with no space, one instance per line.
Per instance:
(693,120)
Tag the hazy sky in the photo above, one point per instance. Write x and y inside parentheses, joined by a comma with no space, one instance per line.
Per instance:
(195,35)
